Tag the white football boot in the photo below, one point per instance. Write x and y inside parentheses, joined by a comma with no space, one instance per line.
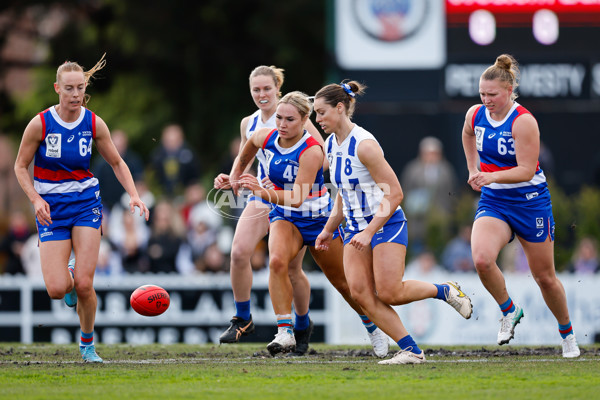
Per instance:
(458,300)
(284,342)
(507,325)
(380,342)
(405,357)
(570,349)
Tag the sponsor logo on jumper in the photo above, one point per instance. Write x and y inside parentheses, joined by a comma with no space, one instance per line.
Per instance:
(70,139)
(491,135)
(85,133)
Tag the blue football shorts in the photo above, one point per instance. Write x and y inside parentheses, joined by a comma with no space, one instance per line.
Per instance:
(309,227)
(395,230)
(88,214)
(532,222)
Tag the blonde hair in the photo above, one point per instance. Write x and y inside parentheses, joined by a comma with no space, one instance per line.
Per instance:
(72,66)
(275,73)
(505,69)
(344,93)
(299,100)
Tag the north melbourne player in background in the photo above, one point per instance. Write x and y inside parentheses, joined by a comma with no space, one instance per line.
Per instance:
(515,199)
(369,197)
(66,196)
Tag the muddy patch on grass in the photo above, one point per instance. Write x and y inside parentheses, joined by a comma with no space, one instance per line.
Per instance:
(442,352)
(33,354)
(484,352)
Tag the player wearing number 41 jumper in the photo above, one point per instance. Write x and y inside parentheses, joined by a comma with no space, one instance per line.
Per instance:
(515,199)
(66,195)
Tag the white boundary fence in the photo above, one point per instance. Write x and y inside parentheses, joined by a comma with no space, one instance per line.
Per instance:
(201,307)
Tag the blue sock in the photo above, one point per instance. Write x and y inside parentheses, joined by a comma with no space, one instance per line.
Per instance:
(242,309)
(87,339)
(565,330)
(369,325)
(442,288)
(507,307)
(302,322)
(407,343)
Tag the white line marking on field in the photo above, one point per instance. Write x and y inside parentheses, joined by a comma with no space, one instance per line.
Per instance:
(280,361)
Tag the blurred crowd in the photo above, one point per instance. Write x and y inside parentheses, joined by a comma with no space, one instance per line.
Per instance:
(187,235)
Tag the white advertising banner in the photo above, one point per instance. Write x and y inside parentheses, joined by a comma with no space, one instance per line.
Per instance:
(201,307)
(390,34)
(433,322)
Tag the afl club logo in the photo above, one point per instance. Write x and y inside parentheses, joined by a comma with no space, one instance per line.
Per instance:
(391,20)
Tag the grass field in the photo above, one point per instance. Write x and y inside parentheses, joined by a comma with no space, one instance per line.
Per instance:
(246,371)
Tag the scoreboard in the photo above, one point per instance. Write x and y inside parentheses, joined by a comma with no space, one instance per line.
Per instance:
(555,40)
(546,28)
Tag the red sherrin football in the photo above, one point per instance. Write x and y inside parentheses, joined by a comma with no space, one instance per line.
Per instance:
(150,300)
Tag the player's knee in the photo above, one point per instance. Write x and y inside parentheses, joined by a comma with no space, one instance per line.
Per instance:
(545,282)
(278,265)
(84,286)
(56,292)
(239,256)
(389,297)
(361,295)
(391,294)
(482,261)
